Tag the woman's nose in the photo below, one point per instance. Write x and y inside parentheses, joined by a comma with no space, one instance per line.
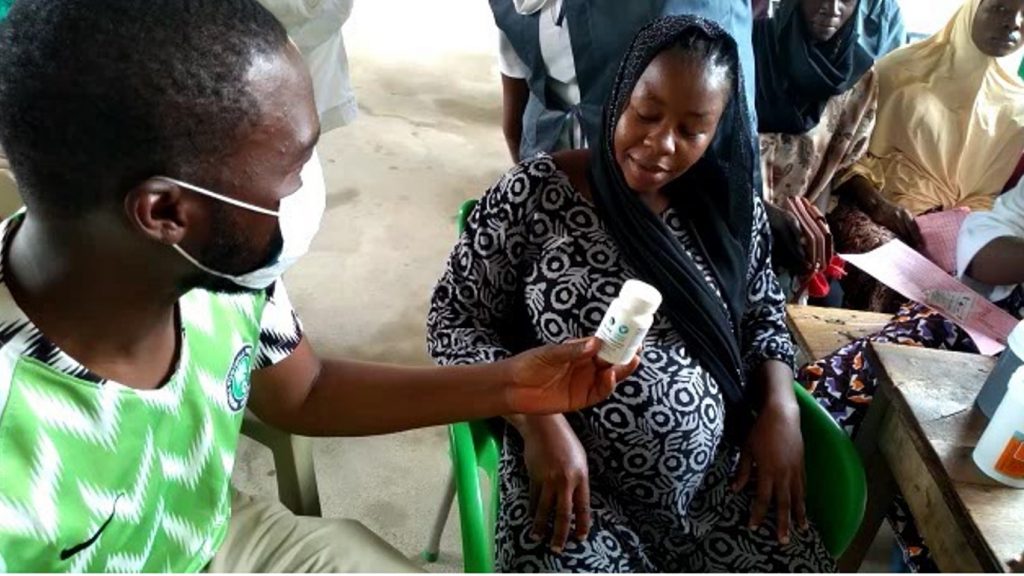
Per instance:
(663,140)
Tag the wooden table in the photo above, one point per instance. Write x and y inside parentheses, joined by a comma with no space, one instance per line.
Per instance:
(918,436)
(818,332)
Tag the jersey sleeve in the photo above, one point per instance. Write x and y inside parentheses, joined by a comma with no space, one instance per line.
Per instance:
(280,328)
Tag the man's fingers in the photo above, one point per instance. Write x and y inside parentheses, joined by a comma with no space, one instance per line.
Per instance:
(543,513)
(626,370)
(562,521)
(574,350)
(581,509)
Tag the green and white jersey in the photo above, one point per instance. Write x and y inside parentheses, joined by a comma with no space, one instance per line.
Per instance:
(96,476)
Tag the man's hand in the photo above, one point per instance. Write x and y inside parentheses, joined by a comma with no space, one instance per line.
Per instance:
(562,378)
(775,448)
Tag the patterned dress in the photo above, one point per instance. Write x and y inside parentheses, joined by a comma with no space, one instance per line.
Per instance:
(537,266)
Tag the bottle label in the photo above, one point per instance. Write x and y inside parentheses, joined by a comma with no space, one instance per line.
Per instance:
(1011,462)
(619,338)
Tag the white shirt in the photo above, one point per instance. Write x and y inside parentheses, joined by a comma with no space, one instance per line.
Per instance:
(981,228)
(555,49)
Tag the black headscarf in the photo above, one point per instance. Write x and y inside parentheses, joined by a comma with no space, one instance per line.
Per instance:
(715,197)
(796,76)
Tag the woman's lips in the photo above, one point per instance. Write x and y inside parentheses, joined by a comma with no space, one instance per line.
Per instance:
(653,170)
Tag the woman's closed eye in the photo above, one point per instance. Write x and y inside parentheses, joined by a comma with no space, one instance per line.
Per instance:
(647,115)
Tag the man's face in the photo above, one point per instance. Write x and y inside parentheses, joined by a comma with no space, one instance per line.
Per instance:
(263,167)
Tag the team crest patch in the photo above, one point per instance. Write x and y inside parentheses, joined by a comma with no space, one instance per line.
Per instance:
(237,382)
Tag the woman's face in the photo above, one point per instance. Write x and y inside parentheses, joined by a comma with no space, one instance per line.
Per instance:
(998,28)
(826,17)
(670,119)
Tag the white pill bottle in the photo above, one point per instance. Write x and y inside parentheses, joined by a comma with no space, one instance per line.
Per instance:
(1000,451)
(627,321)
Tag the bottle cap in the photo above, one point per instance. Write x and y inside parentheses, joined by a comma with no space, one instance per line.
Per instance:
(640,297)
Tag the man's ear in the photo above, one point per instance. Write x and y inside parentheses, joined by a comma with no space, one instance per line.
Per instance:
(160,209)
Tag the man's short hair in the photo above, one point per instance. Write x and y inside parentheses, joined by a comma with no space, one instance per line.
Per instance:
(98,95)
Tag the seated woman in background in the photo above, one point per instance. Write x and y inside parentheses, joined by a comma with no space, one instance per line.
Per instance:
(949,133)
(816,99)
(653,479)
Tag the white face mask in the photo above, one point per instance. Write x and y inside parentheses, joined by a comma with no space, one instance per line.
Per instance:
(299,217)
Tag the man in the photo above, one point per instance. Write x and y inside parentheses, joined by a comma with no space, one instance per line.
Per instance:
(164,151)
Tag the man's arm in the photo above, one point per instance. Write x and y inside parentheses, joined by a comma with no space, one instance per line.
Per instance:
(305,395)
(514,93)
(999,263)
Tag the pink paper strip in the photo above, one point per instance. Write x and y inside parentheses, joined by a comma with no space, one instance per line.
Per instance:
(904,270)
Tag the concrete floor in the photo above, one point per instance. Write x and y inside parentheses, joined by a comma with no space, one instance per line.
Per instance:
(427,138)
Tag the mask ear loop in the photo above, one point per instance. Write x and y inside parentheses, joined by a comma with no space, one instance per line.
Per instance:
(221,197)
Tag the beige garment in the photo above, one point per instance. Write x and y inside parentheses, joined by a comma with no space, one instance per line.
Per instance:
(264,536)
(9,199)
(950,127)
(806,164)
(315,27)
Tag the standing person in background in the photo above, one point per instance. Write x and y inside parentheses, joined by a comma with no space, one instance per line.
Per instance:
(880,27)
(315,27)
(555,56)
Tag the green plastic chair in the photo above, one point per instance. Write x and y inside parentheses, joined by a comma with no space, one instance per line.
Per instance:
(836,484)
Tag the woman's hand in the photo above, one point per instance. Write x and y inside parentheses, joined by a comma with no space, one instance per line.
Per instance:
(561,378)
(899,220)
(559,478)
(787,239)
(802,239)
(776,449)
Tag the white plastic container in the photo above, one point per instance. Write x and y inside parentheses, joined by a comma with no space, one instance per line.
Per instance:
(627,321)
(1000,452)
(1009,361)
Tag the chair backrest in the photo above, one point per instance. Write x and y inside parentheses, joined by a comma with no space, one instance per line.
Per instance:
(837,488)
(463,216)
